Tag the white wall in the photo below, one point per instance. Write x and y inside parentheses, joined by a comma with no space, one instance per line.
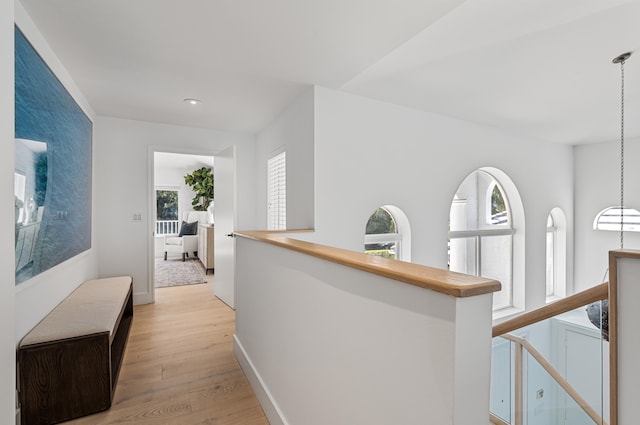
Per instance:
(7,248)
(597,177)
(369,153)
(357,348)
(124,150)
(37,296)
(293,130)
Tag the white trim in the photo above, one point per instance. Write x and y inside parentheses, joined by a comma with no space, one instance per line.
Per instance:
(151,225)
(267,401)
(382,237)
(150,296)
(559,231)
(403,227)
(480,232)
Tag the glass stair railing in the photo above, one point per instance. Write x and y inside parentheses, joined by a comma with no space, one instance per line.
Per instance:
(553,371)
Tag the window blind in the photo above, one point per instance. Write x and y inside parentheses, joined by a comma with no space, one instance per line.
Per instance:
(277,192)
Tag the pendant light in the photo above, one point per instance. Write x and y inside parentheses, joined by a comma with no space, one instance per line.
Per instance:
(619,218)
(621,60)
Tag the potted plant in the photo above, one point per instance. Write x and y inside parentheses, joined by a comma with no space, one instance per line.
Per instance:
(201,182)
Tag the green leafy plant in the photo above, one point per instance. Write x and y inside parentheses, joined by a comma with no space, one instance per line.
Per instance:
(201,182)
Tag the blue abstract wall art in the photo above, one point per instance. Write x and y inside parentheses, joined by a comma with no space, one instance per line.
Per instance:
(53,167)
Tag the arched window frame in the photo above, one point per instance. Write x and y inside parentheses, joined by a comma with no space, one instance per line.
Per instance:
(556,255)
(609,219)
(514,228)
(402,236)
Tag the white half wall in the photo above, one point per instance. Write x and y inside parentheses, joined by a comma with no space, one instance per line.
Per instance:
(7,247)
(36,297)
(328,344)
(124,173)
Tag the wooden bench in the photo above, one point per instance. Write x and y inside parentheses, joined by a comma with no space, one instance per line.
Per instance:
(68,364)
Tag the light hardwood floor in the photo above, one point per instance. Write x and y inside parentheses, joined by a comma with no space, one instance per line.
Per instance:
(179,367)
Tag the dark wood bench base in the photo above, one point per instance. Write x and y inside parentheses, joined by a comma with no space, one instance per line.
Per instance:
(68,378)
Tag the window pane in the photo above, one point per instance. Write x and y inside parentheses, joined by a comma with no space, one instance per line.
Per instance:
(497,201)
(462,255)
(499,212)
(277,192)
(610,219)
(493,251)
(380,222)
(166,204)
(550,264)
(387,234)
(479,203)
(484,256)
(386,249)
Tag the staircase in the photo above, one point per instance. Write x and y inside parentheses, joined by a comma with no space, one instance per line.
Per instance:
(551,366)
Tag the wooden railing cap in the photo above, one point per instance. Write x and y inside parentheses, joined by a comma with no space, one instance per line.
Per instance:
(443,281)
(588,296)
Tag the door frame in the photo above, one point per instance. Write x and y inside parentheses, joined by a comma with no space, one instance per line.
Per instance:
(151,150)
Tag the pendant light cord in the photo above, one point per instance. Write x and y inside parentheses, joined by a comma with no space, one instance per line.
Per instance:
(622,155)
(621,60)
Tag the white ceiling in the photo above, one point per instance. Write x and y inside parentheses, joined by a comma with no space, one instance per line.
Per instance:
(163,160)
(541,68)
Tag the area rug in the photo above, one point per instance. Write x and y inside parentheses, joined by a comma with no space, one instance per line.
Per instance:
(178,272)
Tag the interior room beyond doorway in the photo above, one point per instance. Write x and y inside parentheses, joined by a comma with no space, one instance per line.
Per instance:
(182,223)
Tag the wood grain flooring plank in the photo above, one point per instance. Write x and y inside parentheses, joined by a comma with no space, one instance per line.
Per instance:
(179,367)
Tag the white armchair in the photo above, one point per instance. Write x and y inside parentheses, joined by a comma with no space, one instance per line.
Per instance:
(185,244)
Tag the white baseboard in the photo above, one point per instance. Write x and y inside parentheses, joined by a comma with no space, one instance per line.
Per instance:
(141,298)
(270,407)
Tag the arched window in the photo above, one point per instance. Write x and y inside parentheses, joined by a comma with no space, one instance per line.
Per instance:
(556,258)
(610,219)
(387,234)
(486,234)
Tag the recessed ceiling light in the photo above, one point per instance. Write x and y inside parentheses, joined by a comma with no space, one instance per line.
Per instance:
(191,101)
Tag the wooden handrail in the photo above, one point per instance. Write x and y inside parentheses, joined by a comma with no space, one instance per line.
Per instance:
(597,293)
(590,411)
(443,281)
(496,420)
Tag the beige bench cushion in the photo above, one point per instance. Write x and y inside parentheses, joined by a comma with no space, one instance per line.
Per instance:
(92,308)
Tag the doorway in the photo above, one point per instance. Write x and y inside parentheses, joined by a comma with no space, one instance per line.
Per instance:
(179,229)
